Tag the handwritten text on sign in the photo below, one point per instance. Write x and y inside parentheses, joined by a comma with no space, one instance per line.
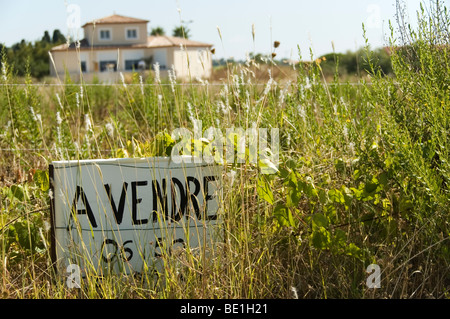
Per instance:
(126,212)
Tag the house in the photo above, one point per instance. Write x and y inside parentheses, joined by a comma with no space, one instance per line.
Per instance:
(118,44)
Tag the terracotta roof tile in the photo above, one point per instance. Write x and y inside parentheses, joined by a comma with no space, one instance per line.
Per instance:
(116,19)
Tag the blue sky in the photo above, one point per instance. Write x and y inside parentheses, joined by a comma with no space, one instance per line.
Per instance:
(309,24)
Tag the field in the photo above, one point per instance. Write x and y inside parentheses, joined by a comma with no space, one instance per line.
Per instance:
(362,178)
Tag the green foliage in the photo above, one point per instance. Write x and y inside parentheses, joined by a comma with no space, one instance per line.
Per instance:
(181,32)
(25,236)
(32,58)
(264,191)
(356,63)
(157,31)
(284,216)
(42,180)
(18,192)
(58,37)
(46,38)
(163,144)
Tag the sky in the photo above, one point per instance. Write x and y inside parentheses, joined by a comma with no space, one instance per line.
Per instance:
(306,24)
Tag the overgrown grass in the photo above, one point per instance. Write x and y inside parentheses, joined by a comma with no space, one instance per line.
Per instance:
(363,177)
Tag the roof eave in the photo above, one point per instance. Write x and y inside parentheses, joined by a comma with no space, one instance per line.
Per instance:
(113,23)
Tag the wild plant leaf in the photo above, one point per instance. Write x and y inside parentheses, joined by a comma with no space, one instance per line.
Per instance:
(293,197)
(354,251)
(370,187)
(197,147)
(18,192)
(264,191)
(340,237)
(163,144)
(122,153)
(348,196)
(319,220)
(357,193)
(321,238)
(23,236)
(323,198)
(310,190)
(284,216)
(336,196)
(292,181)
(42,180)
(267,166)
(283,173)
(339,165)
(291,164)
(383,179)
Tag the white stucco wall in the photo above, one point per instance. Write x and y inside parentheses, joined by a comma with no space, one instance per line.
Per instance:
(192,62)
(189,63)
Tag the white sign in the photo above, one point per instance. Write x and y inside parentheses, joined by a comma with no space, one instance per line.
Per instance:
(124,214)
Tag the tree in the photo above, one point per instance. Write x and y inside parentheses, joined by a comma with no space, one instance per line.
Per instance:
(181,32)
(58,37)
(355,63)
(46,37)
(258,57)
(32,59)
(157,31)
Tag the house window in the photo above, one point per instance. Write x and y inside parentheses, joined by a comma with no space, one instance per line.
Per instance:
(131,65)
(131,33)
(83,66)
(108,66)
(105,35)
(135,65)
